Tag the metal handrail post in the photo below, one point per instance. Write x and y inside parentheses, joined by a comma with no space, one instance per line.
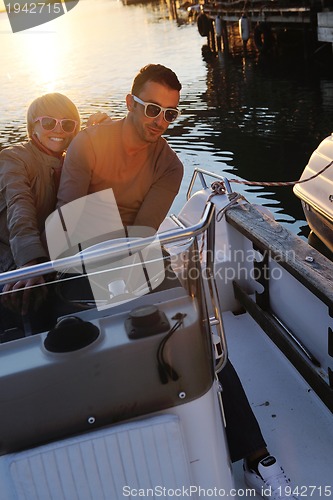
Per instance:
(217,319)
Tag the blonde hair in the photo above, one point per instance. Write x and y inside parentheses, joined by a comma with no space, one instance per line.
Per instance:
(51,105)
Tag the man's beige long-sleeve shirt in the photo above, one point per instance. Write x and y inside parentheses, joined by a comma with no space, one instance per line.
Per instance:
(144,184)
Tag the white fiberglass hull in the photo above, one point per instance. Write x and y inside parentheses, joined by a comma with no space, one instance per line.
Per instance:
(317,193)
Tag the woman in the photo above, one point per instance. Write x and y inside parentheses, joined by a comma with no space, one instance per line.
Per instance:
(29,178)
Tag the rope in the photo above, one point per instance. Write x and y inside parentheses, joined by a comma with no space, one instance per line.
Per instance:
(234,198)
(220,189)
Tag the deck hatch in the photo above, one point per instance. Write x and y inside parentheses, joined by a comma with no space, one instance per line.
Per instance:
(93,466)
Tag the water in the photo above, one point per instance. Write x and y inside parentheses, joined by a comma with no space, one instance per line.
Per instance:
(241,117)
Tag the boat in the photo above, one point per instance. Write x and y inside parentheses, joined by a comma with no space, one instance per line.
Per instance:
(121,398)
(315,191)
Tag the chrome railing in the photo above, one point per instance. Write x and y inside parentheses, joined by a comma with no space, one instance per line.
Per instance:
(201,173)
(112,250)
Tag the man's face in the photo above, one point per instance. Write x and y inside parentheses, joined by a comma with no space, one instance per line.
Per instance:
(150,129)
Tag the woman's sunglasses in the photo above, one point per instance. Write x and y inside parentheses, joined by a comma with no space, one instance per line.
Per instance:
(154,110)
(48,123)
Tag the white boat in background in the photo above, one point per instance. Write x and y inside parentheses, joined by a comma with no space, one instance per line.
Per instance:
(120,399)
(317,194)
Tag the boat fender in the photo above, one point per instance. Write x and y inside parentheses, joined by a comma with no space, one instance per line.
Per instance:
(203,24)
(263,37)
(70,334)
(218,25)
(145,321)
(244,28)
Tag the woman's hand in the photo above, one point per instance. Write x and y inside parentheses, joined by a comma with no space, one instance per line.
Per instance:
(22,294)
(97,118)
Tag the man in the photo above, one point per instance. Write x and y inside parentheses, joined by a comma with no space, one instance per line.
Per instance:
(132,158)
(130,155)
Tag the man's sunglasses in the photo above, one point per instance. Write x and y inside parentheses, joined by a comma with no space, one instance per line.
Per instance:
(48,123)
(154,110)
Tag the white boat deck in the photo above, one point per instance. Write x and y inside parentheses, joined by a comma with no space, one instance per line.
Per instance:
(296,425)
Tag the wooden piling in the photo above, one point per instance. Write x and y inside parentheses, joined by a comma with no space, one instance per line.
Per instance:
(225,37)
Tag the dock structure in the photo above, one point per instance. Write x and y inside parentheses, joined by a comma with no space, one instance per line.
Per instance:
(267,22)
(275,11)
(325,27)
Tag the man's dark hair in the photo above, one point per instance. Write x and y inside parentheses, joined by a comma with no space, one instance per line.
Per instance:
(155,73)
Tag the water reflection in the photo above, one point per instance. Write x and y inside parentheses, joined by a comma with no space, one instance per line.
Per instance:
(272,118)
(40,56)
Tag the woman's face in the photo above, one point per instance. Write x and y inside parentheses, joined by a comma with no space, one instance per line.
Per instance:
(57,139)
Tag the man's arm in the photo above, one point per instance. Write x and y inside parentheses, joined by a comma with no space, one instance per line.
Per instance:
(77,169)
(160,196)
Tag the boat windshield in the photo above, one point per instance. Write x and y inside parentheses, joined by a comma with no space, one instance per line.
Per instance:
(96,263)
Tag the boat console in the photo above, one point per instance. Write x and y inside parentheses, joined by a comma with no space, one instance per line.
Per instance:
(95,369)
